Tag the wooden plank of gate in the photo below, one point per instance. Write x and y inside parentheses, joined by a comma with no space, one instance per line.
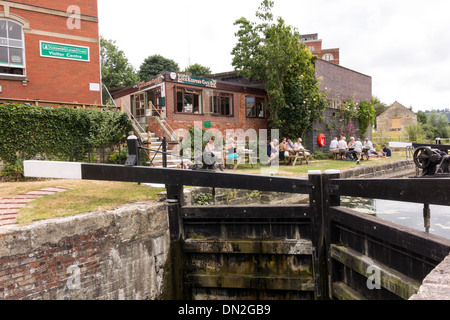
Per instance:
(391,279)
(344,292)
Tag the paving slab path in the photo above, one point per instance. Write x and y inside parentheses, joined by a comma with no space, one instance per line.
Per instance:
(10,206)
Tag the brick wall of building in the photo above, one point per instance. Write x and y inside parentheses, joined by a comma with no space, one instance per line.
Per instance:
(341,84)
(53,79)
(396,111)
(119,254)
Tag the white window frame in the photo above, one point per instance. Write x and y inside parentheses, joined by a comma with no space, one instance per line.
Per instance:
(9,65)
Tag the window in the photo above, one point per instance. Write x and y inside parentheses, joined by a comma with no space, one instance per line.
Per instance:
(328,57)
(188,101)
(139,105)
(312,48)
(396,124)
(221,104)
(334,104)
(254,107)
(12,53)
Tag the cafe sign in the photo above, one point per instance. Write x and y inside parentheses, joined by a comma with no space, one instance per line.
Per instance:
(198,81)
(64,51)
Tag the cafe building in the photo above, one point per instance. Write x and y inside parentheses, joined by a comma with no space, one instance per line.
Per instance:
(172,101)
(49,51)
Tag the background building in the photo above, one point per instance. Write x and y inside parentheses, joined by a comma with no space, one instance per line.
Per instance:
(49,51)
(396,118)
(314,44)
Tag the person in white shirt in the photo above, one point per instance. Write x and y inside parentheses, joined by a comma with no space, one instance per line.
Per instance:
(334,144)
(342,145)
(358,150)
(368,145)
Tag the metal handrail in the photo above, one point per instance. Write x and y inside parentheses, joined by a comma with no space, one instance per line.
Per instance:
(133,118)
(166,125)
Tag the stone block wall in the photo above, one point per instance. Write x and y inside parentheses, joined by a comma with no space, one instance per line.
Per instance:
(118,254)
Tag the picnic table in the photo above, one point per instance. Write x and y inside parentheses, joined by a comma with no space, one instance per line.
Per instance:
(243,155)
(300,153)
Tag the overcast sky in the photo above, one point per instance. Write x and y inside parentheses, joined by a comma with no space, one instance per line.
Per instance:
(401,44)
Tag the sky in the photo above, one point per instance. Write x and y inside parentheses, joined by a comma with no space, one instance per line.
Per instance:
(401,44)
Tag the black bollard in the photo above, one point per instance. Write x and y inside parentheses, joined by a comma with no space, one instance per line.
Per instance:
(133,151)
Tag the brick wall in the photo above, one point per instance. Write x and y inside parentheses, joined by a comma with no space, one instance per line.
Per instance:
(119,254)
(343,83)
(87,7)
(54,79)
(184,121)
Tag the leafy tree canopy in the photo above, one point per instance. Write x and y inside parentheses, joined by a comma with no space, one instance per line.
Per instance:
(272,52)
(198,70)
(116,70)
(156,64)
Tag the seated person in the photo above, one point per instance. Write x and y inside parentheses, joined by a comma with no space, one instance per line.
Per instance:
(210,147)
(351,153)
(284,151)
(298,146)
(231,150)
(342,145)
(290,145)
(368,146)
(374,152)
(272,150)
(385,151)
(358,149)
(334,145)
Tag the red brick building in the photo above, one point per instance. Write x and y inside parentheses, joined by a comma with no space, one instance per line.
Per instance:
(49,50)
(314,44)
(180,100)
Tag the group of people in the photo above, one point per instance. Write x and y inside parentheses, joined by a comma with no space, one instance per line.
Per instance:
(284,149)
(355,147)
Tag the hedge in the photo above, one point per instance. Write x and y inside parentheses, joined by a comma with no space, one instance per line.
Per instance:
(56,132)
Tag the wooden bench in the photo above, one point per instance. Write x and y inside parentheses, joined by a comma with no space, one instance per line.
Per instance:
(302,154)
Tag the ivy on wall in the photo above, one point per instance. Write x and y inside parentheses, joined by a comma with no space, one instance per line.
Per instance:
(363,112)
(56,132)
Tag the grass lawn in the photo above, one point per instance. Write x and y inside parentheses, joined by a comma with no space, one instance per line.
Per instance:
(83,196)
(322,165)
(88,196)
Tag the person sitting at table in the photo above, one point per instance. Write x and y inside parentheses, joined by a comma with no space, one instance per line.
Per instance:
(334,145)
(210,147)
(358,150)
(231,149)
(385,151)
(284,151)
(368,146)
(351,153)
(298,146)
(342,145)
(290,145)
(273,150)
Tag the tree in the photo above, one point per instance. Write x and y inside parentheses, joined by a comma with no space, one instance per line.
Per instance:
(272,52)
(198,70)
(422,117)
(116,70)
(156,64)
(442,127)
(379,108)
(365,115)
